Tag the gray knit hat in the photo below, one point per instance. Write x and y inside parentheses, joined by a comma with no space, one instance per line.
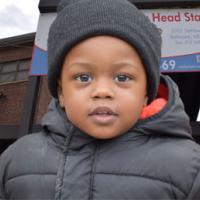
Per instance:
(78,20)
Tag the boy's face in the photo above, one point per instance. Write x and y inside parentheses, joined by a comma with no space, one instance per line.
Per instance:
(103,86)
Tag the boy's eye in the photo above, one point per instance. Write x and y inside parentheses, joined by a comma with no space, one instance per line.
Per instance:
(84,78)
(122,78)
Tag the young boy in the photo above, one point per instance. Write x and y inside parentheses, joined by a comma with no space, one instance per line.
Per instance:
(115,129)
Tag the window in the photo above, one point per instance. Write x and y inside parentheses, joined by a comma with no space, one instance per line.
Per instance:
(14,71)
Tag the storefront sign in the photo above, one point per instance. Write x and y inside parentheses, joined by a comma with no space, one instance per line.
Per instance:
(180,29)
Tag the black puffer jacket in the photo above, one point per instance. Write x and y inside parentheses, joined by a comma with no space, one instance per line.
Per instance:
(156,159)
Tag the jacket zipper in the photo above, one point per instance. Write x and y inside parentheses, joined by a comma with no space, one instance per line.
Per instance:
(61,170)
(94,159)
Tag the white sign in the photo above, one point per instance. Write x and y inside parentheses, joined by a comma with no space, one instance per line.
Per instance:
(180,29)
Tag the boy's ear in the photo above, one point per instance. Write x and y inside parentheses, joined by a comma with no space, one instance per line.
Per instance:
(60,95)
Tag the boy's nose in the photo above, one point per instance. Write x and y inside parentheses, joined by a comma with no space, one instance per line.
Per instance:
(103,91)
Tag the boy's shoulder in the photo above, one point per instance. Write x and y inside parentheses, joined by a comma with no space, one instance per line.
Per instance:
(25,143)
(31,154)
(177,161)
(26,153)
(23,147)
(176,152)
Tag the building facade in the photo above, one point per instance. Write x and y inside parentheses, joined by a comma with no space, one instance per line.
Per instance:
(23,99)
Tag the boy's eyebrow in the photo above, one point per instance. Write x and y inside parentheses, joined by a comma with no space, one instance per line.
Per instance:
(124,64)
(116,65)
(84,64)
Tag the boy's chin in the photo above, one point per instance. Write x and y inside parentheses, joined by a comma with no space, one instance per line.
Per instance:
(103,135)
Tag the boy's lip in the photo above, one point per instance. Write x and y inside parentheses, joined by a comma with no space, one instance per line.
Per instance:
(102,110)
(103,115)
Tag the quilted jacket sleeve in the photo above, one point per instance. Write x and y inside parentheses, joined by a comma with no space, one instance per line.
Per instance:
(2,172)
(195,189)
(5,159)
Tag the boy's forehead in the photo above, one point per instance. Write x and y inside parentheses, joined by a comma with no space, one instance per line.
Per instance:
(102,50)
(128,64)
(100,46)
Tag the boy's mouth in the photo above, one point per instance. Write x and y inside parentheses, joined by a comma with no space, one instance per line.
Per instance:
(103,115)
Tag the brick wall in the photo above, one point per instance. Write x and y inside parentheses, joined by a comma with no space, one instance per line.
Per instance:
(11,106)
(11,54)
